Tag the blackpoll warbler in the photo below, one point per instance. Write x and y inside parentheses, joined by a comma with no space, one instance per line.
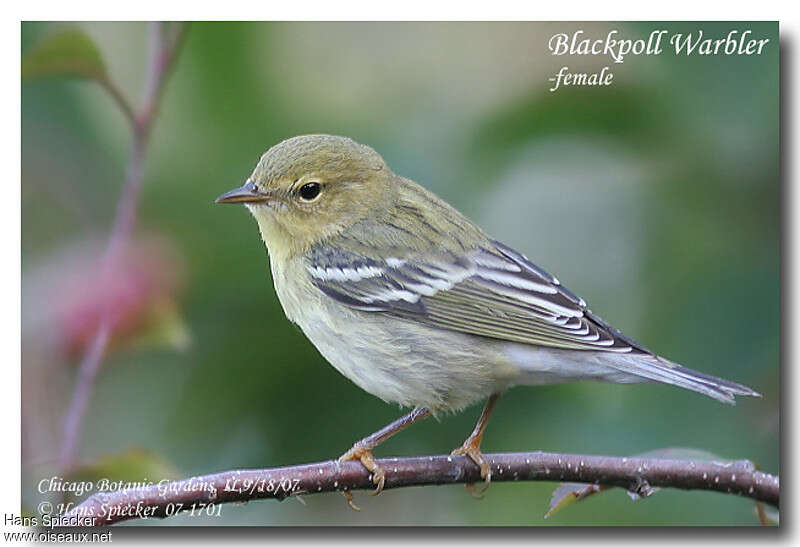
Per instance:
(415,304)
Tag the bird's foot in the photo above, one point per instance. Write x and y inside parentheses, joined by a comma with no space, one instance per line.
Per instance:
(363,454)
(472,448)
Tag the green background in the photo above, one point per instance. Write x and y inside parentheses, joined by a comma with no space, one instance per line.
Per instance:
(657,199)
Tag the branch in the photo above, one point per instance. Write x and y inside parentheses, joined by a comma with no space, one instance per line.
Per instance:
(162,60)
(119,98)
(638,475)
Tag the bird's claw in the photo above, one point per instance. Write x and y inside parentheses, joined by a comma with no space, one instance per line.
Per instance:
(348,495)
(364,455)
(472,448)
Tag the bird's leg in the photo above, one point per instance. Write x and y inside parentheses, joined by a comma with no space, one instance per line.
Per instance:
(362,450)
(472,446)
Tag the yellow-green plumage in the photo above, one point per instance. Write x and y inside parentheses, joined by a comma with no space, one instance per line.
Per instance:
(415,303)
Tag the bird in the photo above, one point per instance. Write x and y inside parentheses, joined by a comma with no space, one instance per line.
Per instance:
(416,304)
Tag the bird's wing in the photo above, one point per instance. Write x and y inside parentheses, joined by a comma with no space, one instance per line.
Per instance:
(493,292)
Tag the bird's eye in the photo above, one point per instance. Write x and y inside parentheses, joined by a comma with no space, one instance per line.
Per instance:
(310,191)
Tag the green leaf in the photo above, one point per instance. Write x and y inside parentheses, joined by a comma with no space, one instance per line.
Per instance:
(568,493)
(70,52)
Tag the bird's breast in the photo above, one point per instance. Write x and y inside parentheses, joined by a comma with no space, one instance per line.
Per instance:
(394,359)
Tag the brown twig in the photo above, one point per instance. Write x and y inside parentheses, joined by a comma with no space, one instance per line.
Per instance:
(638,475)
(116,93)
(162,59)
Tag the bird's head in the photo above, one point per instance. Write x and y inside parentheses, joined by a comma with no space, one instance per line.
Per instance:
(308,188)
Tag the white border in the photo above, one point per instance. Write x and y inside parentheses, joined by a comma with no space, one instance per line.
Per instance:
(360,10)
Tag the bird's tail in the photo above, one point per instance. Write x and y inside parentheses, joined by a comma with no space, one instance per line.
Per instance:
(540,365)
(658,369)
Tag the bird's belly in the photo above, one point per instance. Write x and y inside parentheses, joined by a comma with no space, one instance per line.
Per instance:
(407,363)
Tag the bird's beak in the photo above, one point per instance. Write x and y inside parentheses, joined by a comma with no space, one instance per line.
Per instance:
(247,193)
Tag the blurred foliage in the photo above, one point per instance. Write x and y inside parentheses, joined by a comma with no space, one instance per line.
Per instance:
(70,52)
(113,472)
(657,199)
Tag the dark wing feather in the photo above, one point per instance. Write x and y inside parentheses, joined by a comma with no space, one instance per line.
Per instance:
(493,292)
